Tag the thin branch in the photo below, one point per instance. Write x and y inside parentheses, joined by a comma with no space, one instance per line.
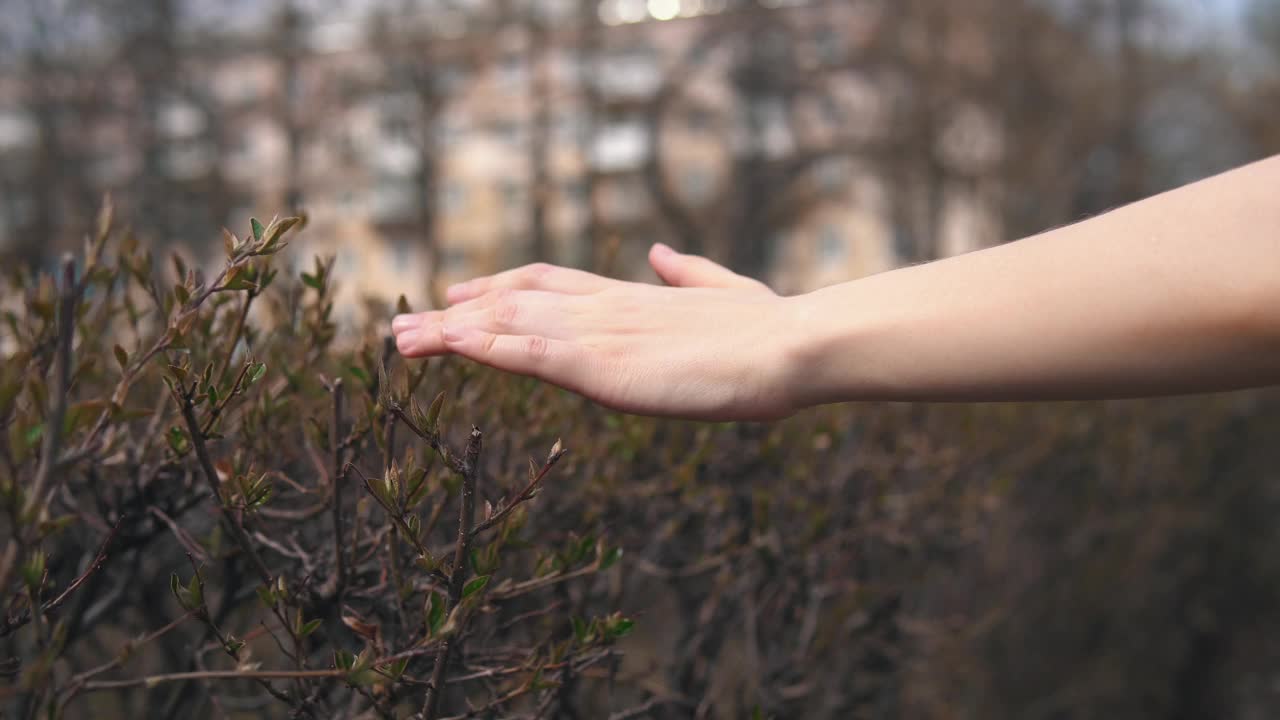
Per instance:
(397,520)
(525,495)
(338,476)
(458,574)
(101,556)
(211,478)
(153,680)
(184,538)
(235,334)
(81,681)
(38,496)
(433,439)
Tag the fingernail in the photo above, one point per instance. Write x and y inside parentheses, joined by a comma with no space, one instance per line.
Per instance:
(456,334)
(400,323)
(406,342)
(663,249)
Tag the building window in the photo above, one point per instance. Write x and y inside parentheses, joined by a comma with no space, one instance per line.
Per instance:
(696,185)
(512,195)
(831,245)
(575,191)
(631,72)
(624,198)
(238,147)
(348,262)
(699,120)
(450,129)
(451,77)
(556,10)
(453,197)
(827,46)
(831,110)
(402,254)
(395,127)
(392,201)
(904,243)
(511,70)
(620,145)
(453,261)
(832,175)
(568,125)
(507,131)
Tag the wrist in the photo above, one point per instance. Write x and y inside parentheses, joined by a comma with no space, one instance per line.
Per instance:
(809,349)
(834,347)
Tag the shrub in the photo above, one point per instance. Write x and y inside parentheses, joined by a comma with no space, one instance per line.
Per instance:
(201,507)
(214,501)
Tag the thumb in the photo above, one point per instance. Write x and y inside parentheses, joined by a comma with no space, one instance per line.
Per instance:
(683,270)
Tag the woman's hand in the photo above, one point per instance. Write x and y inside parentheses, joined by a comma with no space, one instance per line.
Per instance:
(713,346)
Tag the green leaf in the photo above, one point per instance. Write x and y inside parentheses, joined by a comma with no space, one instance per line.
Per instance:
(610,557)
(426,562)
(257,372)
(621,627)
(434,612)
(33,570)
(363,660)
(277,229)
(311,281)
(258,229)
(177,438)
(433,413)
(360,374)
(397,668)
(343,659)
(310,627)
(365,677)
(417,487)
(196,589)
(474,585)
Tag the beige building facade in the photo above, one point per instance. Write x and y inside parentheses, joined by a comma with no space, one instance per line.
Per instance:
(330,127)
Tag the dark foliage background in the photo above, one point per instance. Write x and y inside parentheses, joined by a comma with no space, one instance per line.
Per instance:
(1054,561)
(871,560)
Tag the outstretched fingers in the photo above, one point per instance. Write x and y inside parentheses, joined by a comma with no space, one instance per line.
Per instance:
(501,312)
(538,276)
(556,361)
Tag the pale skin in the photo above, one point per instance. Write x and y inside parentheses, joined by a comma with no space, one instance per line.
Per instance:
(1175,294)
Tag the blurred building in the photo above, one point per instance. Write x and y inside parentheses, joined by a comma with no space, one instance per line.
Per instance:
(426,139)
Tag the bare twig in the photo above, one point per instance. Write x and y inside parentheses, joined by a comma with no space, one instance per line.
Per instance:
(337,478)
(101,557)
(235,334)
(81,681)
(525,495)
(211,478)
(458,574)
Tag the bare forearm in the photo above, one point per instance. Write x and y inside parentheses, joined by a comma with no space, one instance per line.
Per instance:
(1178,293)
